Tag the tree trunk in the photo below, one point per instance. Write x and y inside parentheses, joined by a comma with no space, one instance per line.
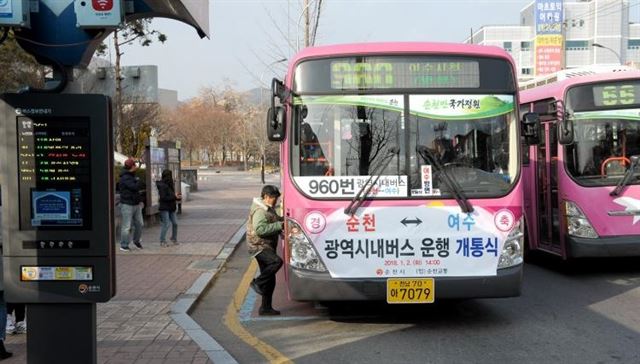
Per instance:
(118,94)
(244,156)
(262,168)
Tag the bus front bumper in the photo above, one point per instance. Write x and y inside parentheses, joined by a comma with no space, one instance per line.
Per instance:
(314,286)
(615,246)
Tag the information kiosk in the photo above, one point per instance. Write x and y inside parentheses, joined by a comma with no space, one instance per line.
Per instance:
(57,183)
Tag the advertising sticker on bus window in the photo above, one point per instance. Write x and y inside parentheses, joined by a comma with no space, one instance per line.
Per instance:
(461,107)
(436,241)
(426,177)
(348,186)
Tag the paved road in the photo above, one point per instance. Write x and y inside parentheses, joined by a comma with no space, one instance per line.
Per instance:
(587,312)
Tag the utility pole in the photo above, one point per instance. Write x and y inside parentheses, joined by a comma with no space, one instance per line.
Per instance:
(306,23)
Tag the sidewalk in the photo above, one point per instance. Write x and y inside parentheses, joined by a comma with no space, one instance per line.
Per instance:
(136,326)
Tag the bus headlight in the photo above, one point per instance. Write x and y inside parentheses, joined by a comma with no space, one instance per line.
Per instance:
(302,254)
(577,223)
(512,249)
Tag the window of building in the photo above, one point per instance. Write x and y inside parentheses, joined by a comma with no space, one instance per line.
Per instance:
(525,46)
(576,45)
(526,71)
(507,46)
(634,44)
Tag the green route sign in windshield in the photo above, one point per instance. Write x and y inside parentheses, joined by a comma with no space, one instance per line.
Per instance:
(443,107)
(625,114)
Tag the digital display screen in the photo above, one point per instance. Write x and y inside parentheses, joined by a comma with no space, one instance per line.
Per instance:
(613,95)
(400,72)
(381,73)
(54,173)
(617,94)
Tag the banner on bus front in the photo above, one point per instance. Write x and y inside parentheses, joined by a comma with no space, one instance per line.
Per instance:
(417,241)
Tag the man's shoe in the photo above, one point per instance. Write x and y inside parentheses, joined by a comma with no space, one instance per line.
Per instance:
(125,249)
(174,242)
(21,327)
(138,244)
(11,327)
(256,288)
(268,312)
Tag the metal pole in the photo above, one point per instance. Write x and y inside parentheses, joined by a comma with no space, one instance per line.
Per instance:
(306,23)
(598,45)
(62,333)
(304,11)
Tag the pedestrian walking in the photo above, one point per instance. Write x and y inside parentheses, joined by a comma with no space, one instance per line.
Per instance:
(168,199)
(130,187)
(263,230)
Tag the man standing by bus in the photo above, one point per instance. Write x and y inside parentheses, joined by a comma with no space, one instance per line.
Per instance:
(263,230)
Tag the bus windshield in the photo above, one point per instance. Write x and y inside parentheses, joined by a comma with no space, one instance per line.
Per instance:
(604,142)
(473,136)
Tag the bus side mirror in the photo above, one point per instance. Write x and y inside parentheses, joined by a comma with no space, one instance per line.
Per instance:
(565,130)
(275,124)
(531,128)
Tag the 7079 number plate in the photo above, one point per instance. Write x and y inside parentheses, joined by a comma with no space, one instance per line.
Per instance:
(410,290)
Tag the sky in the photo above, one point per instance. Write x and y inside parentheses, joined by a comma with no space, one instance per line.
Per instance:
(249,35)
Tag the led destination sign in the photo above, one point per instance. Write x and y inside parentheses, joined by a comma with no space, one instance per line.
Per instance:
(399,72)
(375,73)
(54,173)
(621,94)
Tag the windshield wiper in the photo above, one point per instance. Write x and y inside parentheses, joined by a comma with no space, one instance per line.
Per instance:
(635,161)
(426,154)
(366,188)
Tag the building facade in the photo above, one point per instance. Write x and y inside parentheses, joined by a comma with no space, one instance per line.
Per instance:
(594,32)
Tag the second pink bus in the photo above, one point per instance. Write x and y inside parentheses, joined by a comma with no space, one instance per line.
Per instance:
(582,180)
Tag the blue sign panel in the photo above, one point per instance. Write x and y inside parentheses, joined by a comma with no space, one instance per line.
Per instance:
(5,9)
(549,17)
(51,205)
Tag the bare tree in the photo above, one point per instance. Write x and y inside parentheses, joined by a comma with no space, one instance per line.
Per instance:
(138,119)
(135,31)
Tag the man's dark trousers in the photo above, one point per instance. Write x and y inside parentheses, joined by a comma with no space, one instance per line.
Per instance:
(269,263)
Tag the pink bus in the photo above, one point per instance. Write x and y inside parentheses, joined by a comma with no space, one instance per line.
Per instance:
(581,181)
(400,172)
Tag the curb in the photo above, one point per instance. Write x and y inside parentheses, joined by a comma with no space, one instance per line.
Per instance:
(183,304)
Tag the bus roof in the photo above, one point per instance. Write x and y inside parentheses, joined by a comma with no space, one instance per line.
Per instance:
(572,72)
(558,89)
(436,48)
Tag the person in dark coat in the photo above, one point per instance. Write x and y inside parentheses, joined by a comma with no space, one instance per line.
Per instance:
(129,187)
(168,199)
(263,230)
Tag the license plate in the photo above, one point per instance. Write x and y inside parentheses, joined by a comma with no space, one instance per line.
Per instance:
(410,290)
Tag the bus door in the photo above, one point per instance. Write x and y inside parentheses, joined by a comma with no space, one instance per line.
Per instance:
(547,191)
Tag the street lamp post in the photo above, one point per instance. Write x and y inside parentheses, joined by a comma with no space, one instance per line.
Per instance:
(598,45)
(265,70)
(304,11)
